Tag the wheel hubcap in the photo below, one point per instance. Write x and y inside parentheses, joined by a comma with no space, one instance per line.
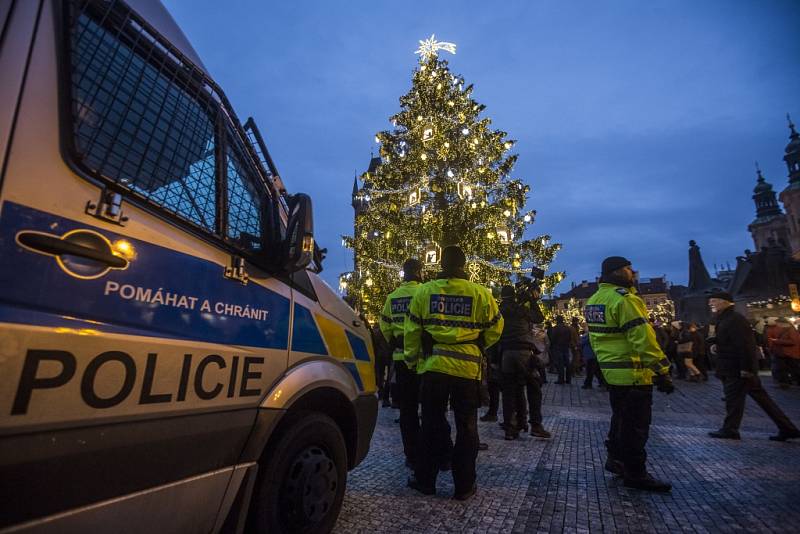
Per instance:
(310,487)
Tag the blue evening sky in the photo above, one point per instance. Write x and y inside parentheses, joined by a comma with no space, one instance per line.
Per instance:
(637,122)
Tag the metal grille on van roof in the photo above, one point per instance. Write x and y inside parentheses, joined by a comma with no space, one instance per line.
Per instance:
(149,121)
(139,117)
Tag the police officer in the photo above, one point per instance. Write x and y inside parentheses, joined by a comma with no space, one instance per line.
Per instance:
(631,362)
(391,324)
(450,321)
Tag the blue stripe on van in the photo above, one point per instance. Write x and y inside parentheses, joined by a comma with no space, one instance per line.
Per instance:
(212,311)
(19,315)
(359,347)
(356,376)
(305,334)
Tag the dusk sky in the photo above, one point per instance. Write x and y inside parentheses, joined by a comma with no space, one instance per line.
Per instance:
(638,123)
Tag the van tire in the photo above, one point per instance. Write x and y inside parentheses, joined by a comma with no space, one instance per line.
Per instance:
(302,477)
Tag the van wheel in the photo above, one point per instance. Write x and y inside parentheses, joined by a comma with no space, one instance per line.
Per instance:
(302,477)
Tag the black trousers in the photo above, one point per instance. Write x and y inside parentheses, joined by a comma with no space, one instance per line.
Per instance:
(494,396)
(736,392)
(534,390)
(562,357)
(408,397)
(463,395)
(701,362)
(383,369)
(631,410)
(787,370)
(680,366)
(592,372)
(514,409)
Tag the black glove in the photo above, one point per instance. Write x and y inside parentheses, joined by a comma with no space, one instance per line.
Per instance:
(664,384)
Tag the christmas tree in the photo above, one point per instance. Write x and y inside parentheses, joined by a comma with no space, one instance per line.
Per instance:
(444,178)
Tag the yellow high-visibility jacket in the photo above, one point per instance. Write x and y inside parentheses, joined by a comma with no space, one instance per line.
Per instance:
(622,338)
(393,315)
(456,313)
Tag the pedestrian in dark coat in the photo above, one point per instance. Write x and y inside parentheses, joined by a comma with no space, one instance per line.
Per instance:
(737,366)
(592,367)
(785,346)
(674,330)
(518,366)
(561,350)
(699,351)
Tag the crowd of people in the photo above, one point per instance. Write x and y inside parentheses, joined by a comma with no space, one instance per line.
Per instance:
(447,345)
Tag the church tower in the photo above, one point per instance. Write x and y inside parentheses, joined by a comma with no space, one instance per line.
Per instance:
(791,195)
(770,222)
(361,201)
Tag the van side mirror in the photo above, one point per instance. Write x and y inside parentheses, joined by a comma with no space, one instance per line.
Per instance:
(298,246)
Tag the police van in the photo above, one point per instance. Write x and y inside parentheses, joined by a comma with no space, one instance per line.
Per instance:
(170,359)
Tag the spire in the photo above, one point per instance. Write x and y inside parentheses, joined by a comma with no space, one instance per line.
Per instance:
(699,279)
(356,200)
(764,197)
(792,155)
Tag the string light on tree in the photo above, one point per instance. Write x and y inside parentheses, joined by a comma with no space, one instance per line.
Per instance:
(433,254)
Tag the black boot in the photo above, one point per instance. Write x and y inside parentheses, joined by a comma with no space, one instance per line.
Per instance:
(467,494)
(538,431)
(489,416)
(414,484)
(648,483)
(615,466)
(724,434)
(783,435)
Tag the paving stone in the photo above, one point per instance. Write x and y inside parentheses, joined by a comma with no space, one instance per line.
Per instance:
(560,485)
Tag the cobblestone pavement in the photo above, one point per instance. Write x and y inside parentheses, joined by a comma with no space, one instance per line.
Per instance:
(559,485)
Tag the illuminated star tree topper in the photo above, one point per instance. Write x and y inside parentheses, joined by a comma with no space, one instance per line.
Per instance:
(429,47)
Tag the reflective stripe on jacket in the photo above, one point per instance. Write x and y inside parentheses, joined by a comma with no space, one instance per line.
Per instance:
(622,338)
(454,312)
(394,313)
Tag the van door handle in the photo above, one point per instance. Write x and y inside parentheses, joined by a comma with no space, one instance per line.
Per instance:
(49,244)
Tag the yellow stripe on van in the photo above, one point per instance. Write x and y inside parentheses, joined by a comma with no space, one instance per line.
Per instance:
(367,372)
(334,337)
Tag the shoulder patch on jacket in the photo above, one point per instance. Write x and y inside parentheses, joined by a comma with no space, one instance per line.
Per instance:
(622,291)
(595,313)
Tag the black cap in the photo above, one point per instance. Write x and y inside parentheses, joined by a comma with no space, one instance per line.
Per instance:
(411,267)
(612,263)
(453,258)
(724,295)
(559,319)
(507,291)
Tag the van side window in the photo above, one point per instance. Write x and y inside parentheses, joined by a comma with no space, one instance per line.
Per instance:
(244,204)
(140,121)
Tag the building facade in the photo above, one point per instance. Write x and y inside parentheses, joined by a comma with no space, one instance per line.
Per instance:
(765,281)
(654,291)
(771,223)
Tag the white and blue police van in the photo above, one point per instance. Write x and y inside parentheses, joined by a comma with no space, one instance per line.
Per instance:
(170,360)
